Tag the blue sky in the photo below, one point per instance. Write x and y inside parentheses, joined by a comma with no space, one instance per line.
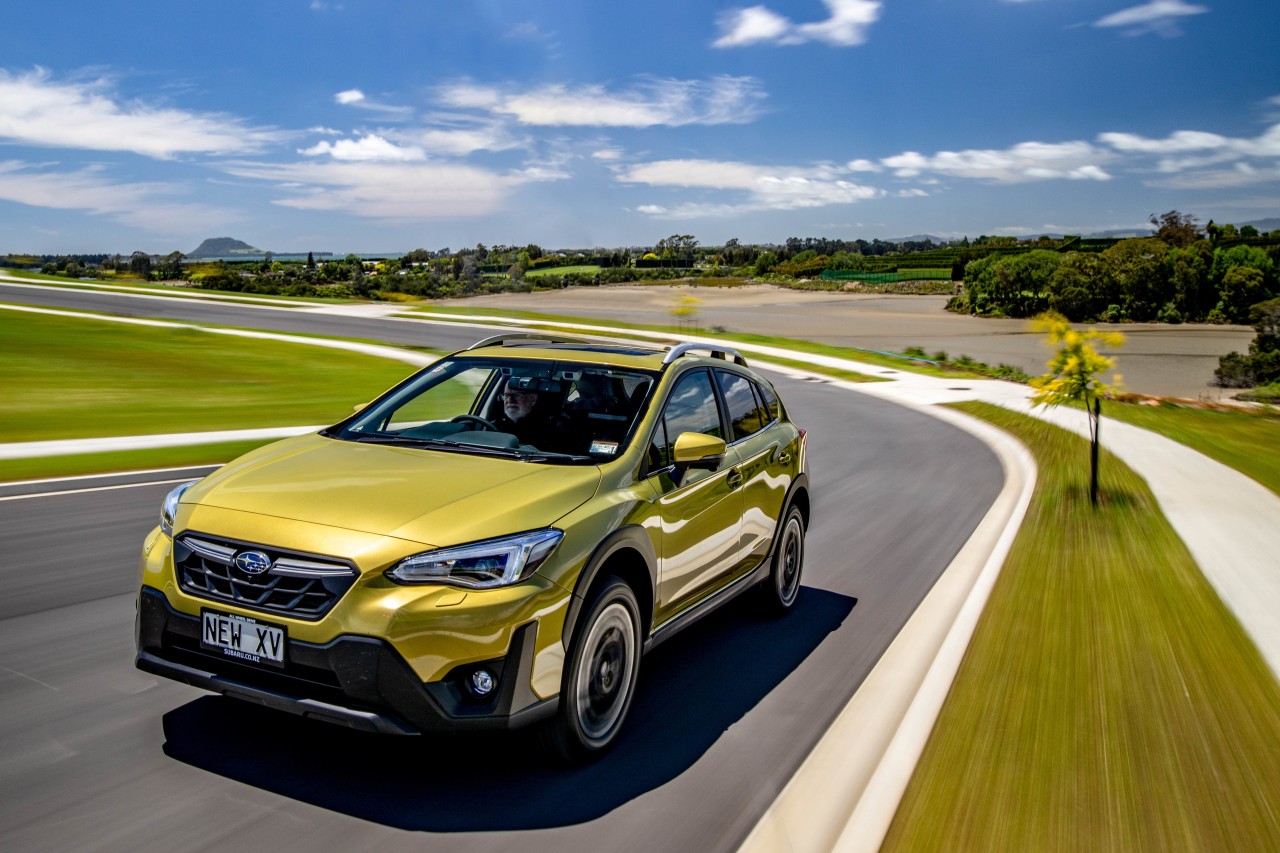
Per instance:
(301,125)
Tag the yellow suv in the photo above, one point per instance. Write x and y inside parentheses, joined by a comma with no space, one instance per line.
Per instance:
(494,542)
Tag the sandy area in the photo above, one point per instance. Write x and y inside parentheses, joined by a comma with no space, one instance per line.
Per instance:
(1174,361)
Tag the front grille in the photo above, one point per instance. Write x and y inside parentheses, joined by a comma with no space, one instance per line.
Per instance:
(302,586)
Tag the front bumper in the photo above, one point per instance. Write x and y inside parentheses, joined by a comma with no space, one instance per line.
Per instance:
(355,681)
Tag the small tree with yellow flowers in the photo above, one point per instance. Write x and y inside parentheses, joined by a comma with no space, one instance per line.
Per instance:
(685,311)
(1073,375)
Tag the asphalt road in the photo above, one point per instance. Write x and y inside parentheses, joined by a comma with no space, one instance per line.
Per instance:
(94,754)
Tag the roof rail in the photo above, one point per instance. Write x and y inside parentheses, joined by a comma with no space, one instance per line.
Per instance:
(514,337)
(714,350)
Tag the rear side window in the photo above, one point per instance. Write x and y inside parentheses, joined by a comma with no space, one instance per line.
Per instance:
(690,408)
(773,408)
(744,411)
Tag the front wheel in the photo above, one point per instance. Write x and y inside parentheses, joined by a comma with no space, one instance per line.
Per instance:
(600,678)
(780,589)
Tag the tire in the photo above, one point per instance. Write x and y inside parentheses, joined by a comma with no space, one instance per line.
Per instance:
(780,590)
(600,678)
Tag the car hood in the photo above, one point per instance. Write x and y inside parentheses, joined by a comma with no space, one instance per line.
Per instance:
(436,498)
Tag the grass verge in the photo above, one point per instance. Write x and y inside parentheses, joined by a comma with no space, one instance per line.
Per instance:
(1244,440)
(1108,699)
(80,378)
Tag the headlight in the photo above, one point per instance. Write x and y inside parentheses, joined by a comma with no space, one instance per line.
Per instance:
(480,565)
(169,508)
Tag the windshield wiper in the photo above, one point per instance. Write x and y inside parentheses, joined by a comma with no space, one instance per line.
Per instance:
(549,456)
(405,439)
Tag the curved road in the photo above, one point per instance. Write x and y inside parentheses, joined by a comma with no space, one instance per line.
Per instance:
(95,754)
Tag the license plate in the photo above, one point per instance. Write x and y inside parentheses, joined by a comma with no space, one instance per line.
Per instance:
(242,638)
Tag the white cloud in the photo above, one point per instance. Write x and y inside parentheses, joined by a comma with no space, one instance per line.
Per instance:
(1188,153)
(36,110)
(607,154)
(1026,161)
(846,25)
(763,187)
(142,205)
(365,149)
(358,99)
(461,141)
(671,103)
(386,190)
(1188,141)
(1157,16)
(862,166)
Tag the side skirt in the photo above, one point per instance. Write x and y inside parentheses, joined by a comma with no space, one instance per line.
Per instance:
(708,605)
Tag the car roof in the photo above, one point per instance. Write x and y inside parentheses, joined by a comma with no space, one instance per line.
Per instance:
(616,353)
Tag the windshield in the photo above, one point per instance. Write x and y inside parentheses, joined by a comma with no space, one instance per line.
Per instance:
(534,410)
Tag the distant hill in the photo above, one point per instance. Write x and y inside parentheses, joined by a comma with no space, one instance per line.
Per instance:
(218,247)
(1264,226)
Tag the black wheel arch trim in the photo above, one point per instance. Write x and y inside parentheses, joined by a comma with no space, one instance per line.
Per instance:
(633,538)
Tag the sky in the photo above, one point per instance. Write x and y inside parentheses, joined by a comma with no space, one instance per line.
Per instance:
(378,126)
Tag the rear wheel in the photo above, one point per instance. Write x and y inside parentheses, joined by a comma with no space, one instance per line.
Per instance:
(600,677)
(781,588)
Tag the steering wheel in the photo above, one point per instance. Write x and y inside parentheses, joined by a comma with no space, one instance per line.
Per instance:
(474,419)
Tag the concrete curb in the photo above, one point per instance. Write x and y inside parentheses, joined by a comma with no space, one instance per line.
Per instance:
(845,794)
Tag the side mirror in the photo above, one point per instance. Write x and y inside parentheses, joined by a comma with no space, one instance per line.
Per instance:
(697,450)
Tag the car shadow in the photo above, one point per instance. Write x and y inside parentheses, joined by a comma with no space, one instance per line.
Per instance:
(692,688)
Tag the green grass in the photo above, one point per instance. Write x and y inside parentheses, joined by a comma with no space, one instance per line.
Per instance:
(1246,441)
(865,356)
(163,289)
(581,269)
(73,378)
(1108,699)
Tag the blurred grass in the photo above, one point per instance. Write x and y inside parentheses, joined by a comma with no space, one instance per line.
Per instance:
(1108,699)
(1247,441)
(73,378)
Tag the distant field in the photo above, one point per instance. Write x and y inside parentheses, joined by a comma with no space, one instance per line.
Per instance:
(578,270)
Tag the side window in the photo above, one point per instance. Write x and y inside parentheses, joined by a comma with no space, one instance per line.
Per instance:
(744,412)
(691,407)
(773,409)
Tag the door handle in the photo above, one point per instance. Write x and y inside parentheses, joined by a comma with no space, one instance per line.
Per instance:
(734,479)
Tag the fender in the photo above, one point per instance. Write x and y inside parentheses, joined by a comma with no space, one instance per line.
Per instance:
(632,537)
(800,483)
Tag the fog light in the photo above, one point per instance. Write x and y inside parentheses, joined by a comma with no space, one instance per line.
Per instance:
(482,682)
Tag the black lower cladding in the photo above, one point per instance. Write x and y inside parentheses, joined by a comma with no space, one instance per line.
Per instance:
(361,682)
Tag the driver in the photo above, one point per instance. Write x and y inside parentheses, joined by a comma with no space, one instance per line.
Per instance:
(521,415)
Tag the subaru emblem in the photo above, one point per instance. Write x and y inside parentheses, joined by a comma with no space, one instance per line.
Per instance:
(252,562)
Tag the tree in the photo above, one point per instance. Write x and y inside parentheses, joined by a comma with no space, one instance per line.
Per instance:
(140,265)
(1242,287)
(1175,228)
(1073,375)
(685,310)
(1141,279)
(1081,287)
(1262,365)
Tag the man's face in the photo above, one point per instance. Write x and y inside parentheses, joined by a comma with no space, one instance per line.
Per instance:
(518,404)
